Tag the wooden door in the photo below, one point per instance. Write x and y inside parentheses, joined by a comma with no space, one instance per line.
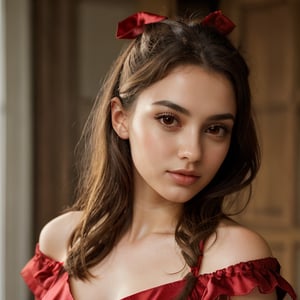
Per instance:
(268,34)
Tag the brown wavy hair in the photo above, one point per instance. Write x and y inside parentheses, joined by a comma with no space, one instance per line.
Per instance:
(106,184)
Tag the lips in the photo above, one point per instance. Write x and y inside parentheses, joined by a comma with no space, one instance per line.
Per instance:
(184,177)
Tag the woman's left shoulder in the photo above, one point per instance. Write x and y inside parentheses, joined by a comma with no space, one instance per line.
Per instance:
(233,243)
(248,244)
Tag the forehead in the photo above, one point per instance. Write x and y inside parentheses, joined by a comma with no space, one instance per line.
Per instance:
(194,88)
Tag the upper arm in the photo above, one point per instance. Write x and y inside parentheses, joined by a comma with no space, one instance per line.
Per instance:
(54,236)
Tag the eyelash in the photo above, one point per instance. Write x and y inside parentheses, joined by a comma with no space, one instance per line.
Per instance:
(225,130)
(163,117)
(174,118)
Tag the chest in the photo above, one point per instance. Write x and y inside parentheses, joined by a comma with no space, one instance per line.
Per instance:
(132,268)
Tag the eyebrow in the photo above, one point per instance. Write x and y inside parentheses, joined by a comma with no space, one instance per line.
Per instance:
(176,107)
(220,117)
(173,106)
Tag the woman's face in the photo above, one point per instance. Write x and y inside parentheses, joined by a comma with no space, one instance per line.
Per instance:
(179,130)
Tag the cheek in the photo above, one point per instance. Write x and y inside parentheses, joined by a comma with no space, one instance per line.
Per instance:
(145,135)
(142,136)
(217,156)
(146,142)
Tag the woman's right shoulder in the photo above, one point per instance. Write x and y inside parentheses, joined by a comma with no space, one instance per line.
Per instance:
(55,235)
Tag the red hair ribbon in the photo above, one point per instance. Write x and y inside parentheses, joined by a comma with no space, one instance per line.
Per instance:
(133,26)
(218,21)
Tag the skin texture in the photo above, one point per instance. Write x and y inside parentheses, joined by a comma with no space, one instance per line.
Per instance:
(179,131)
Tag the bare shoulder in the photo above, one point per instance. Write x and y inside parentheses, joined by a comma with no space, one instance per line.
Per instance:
(233,244)
(243,242)
(54,236)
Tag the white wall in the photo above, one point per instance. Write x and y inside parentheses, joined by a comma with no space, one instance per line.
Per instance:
(15,146)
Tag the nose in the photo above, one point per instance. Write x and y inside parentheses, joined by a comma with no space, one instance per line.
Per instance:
(190,147)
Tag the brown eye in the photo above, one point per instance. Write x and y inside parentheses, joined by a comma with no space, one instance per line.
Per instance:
(217,130)
(167,120)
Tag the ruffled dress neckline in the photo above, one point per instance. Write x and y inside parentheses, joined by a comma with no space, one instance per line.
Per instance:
(48,280)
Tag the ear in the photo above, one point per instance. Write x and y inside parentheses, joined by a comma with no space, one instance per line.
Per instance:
(119,118)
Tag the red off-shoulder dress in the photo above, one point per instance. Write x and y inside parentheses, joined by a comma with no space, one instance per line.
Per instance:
(48,281)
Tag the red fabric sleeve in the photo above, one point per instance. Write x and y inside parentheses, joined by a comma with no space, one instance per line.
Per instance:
(236,280)
(48,281)
(243,278)
(46,278)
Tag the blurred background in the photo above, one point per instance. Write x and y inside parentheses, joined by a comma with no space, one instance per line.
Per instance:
(53,57)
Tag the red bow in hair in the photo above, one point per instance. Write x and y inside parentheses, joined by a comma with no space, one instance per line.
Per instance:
(218,21)
(133,26)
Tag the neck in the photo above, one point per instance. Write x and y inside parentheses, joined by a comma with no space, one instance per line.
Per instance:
(153,218)
(152,214)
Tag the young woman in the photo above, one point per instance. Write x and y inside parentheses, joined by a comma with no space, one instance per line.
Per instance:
(171,137)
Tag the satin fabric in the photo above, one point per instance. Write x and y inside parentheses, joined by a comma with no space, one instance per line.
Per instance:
(133,26)
(218,21)
(48,281)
